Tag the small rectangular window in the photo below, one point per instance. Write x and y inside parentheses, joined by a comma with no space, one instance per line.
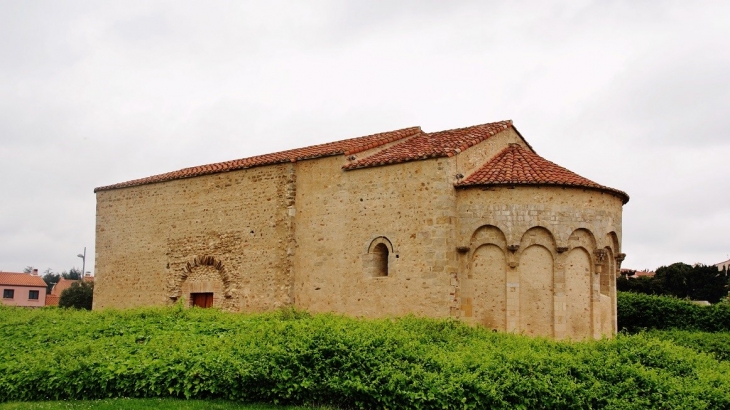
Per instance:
(33,294)
(8,293)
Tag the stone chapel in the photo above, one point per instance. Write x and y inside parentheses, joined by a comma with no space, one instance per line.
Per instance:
(468,223)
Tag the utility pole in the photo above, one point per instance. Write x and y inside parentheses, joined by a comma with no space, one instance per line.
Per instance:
(83,263)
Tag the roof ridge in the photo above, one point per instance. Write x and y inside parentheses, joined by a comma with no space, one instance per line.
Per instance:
(507,122)
(446,143)
(515,165)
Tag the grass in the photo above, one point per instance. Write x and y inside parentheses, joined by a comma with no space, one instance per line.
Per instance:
(143,404)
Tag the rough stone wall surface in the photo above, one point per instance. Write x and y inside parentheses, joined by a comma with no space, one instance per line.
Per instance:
(539,229)
(342,215)
(148,238)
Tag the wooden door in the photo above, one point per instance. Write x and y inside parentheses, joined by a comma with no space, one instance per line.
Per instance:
(203,300)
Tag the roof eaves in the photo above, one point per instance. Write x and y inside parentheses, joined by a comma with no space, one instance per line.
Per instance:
(615,192)
(288,156)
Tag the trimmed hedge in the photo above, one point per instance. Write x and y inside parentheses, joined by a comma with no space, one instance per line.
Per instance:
(638,312)
(292,357)
(715,344)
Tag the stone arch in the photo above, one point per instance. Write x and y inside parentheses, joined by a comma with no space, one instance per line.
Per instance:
(612,240)
(486,234)
(578,306)
(380,240)
(537,235)
(536,287)
(484,292)
(376,262)
(582,238)
(181,276)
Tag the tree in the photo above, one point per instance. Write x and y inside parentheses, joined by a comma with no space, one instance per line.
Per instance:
(79,296)
(642,284)
(72,274)
(51,279)
(699,282)
(28,269)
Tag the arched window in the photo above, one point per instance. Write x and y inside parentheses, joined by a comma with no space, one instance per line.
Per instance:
(375,261)
(380,260)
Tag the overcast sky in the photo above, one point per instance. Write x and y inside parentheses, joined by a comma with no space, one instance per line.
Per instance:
(633,95)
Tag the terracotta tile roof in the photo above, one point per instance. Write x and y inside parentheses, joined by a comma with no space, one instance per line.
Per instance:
(515,165)
(21,279)
(64,284)
(432,145)
(52,300)
(344,147)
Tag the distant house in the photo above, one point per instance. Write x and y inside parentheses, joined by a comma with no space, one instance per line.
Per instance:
(723,265)
(638,273)
(54,297)
(22,289)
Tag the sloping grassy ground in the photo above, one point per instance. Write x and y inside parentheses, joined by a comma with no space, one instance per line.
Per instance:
(290,357)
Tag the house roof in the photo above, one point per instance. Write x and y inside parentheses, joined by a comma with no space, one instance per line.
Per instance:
(414,145)
(516,165)
(432,145)
(343,147)
(52,300)
(21,279)
(64,284)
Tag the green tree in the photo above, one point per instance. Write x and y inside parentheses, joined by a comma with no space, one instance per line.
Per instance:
(642,284)
(51,279)
(699,282)
(79,296)
(72,274)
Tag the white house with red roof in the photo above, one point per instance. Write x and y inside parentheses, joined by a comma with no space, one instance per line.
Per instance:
(22,289)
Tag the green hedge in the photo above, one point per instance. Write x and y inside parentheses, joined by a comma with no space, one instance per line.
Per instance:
(638,312)
(716,344)
(292,357)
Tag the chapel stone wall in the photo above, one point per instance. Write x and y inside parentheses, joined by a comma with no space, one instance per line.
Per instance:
(346,219)
(226,233)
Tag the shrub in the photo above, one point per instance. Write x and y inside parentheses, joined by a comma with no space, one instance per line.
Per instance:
(79,295)
(717,344)
(638,312)
(292,357)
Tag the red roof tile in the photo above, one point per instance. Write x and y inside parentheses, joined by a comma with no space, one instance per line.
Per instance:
(432,145)
(52,300)
(21,279)
(64,284)
(346,147)
(519,166)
